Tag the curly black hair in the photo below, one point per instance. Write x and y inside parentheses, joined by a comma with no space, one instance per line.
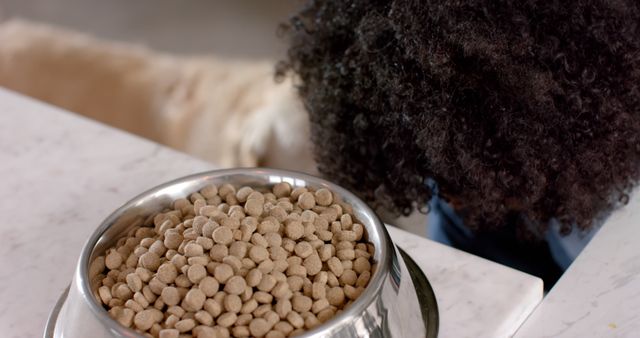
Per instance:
(519,110)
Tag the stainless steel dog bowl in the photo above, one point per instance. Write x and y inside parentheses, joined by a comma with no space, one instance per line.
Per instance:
(398,302)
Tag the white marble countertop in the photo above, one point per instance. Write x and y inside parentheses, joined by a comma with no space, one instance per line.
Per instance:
(61,174)
(599,295)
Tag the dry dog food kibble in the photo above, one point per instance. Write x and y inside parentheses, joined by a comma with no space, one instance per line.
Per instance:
(233,262)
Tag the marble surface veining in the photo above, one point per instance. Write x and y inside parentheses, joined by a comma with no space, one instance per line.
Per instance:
(61,174)
(599,295)
(476,297)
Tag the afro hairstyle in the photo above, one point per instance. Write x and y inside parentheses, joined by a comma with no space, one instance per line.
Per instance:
(521,111)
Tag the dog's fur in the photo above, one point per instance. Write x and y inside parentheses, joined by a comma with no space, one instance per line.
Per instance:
(232,113)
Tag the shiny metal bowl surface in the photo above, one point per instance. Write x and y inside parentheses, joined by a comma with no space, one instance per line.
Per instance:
(398,302)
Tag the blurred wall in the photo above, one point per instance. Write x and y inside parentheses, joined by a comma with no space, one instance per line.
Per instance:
(236,28)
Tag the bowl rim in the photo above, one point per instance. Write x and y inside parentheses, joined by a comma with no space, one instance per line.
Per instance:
(358,307)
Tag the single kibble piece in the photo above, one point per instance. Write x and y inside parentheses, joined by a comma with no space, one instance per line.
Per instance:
(232,303)
(222,235)
(259,327)
(145,319)
(169,333)
(185,325)
(294,230)
(240,331)
(267,283)
(303,249)
(351,292)
(244,319)
(325,314)
(275,334)
(219,252)
(318,291)
(295,319)
(282,189)
(113,260)
(254,277)
(209,286)
(311,321)
(306,201)
(150,261)
(312,264)
(134,282)
(122,291)
(204,242)
(348,277)
(226,189)
(170,296)
(319,305)
(212,307)
(267,226)
(235,285)
(279,213)
(281,290)
(167,273)
(271,317)
(227,319)
(209,191)
(283,326)
(283,307)
(193,250)
(254,207)
(196,273)
(125,317)
(335,266)
(262,297)
(223,272)
(363,279)
(361,265)
(105,294)
(335,296)
(193,300)
(202,331)
(238,249)
(234,262)
(295,193)
(258,253)
(258,239)
(301,303)
(323,197)
(243,193)
(256,195)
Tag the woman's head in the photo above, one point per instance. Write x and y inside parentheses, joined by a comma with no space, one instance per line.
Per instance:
(518,110)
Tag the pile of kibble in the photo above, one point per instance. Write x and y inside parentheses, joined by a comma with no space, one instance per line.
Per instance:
(237,263)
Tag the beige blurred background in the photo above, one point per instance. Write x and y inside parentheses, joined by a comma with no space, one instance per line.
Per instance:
(231,28)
